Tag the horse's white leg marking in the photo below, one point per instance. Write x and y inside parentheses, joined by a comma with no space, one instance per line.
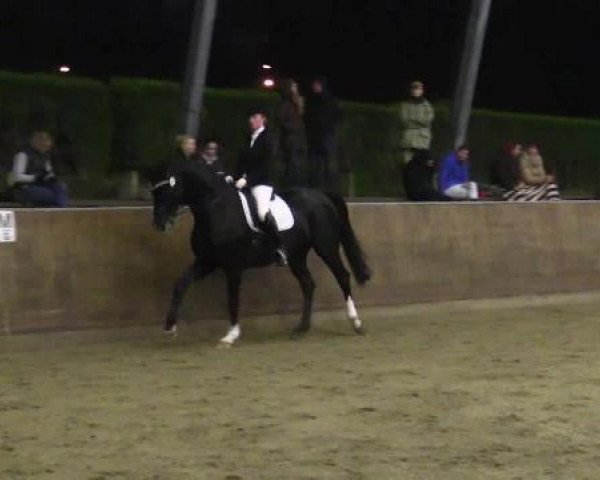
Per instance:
(352,313)
(232,335)
(172,330)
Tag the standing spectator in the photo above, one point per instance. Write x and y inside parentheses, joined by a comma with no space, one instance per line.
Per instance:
(185,148)
(504,171)
(418,179)
(292,136)
(416,116)
(210,156)
(322,119)
(32,176)
(453,178)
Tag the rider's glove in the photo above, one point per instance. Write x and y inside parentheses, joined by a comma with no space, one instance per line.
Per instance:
(241,183)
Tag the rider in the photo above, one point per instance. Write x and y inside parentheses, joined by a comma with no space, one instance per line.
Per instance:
(253,170)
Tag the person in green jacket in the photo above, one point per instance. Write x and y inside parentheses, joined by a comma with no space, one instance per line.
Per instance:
(416,116)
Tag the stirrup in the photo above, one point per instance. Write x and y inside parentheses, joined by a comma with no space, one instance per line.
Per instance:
(281,258)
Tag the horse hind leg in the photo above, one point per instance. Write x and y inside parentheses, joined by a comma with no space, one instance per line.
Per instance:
(333,260)
(353,317)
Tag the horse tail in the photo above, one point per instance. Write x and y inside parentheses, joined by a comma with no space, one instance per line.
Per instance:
(352,249)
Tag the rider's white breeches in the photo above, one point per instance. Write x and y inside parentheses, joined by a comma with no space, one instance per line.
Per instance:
(462,191)
(262,194)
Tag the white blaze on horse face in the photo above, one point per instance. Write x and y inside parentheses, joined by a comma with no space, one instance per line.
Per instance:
(232,335)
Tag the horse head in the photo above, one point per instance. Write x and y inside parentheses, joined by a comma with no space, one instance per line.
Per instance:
(167,195)
(180,185)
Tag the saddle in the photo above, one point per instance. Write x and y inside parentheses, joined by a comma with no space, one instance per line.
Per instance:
(279,209)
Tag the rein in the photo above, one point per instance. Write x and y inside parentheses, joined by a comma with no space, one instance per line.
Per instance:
(170,181)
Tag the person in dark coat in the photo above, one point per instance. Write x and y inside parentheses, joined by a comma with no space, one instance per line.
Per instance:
(33,180)
(418,179)
(292,135)
(185,149)
(211,157)
(504,171)
(322,118)
(253,171)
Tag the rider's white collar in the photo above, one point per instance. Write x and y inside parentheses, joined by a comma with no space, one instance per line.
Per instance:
(255,135)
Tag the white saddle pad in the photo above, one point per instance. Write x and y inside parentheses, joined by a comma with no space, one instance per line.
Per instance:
(279,209)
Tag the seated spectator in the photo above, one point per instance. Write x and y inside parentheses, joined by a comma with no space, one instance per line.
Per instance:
(535,183)
(32,178)
(453,176)
(418,179)
(185,148)
(210,156)
(504,170)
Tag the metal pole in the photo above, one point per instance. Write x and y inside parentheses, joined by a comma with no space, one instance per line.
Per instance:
(469,67)
(197,64)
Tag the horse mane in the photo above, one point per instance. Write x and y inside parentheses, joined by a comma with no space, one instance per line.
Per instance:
(214,203)
(196,176)
(199,172)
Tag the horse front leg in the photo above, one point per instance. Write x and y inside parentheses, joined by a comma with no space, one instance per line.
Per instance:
(307,284)
(191,274)
(234,280)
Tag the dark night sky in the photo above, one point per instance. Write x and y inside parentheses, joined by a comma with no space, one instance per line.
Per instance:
(538,55)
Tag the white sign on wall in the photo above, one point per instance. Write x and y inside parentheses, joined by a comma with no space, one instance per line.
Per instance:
(8,226)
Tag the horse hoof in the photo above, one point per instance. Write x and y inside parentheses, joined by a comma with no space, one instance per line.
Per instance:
(298,333)
(232,335)
(224,345)
(171,332)
(357,326)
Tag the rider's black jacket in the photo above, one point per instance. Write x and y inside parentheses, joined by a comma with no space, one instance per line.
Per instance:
(257,162)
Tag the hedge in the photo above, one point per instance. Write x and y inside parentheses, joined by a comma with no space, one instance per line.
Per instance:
(76,110)
(131,123)
(368,147)
(145,115)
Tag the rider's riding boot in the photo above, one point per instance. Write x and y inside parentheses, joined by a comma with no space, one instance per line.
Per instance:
(270,228)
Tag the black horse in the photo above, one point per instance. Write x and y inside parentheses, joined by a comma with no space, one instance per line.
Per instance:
(221,238)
